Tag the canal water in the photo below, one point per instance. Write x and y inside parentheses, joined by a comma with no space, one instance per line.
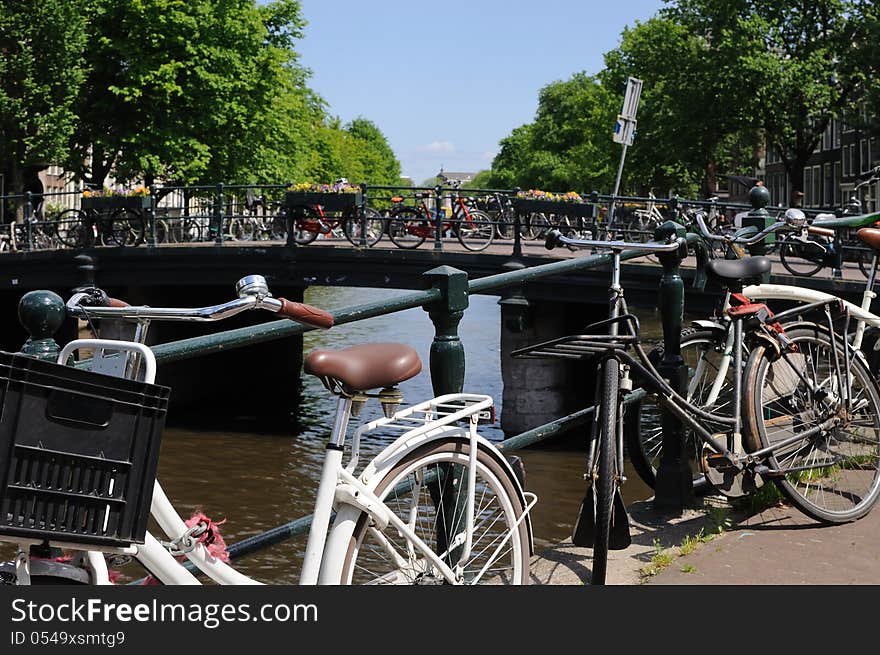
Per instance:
(259,481)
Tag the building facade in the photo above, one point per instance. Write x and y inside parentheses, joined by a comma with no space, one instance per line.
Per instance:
(843,154)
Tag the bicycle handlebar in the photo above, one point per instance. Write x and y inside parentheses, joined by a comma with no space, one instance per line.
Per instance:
(253,294)
(740,240)
(555,238)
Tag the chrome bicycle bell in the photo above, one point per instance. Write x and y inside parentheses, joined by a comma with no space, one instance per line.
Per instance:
(252,285)
(795,217)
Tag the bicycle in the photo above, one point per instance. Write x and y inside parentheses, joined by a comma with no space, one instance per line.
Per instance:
(84,228)
(439,505)
(409,226)
(806,255)
(311,221)
(707,347)
(805,414)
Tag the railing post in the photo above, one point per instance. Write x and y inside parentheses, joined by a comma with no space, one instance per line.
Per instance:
(438,235)
(517,227)
(41,313)
(363,214)
(28,222)
(151,218)
(447,376)
(759,217)
(447,352)
(218,215)
(594,216)
(674,486)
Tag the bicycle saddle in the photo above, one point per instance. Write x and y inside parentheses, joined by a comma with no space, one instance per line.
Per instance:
(737,270)
(870,236)
(365,366)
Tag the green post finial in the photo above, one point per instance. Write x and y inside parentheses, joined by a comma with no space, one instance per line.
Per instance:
(760,218)
(41,313)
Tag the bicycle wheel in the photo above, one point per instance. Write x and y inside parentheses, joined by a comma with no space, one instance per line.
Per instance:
(534,226)
(475,231)
(704,356)
(125,228)
(71,229)
(243,229)
(801,259)
(305,225)
(432,506)
(351,227)
(406,227)
(833,475)
(606,480)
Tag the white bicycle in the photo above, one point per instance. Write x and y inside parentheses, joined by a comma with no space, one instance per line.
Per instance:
(439,505)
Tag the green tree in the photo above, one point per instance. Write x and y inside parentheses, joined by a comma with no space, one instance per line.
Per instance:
(193,91)
(796,59)
(568,146)
(689,125)
(41,69)
(380,166)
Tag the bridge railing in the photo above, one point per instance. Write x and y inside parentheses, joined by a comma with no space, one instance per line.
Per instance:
(445,299)
(221,213)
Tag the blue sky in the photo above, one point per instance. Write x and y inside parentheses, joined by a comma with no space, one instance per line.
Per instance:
(445,81)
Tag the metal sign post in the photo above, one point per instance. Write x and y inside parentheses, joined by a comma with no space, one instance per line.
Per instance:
(624,133)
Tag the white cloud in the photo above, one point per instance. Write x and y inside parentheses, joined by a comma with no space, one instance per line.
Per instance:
(488,155)
(438,147)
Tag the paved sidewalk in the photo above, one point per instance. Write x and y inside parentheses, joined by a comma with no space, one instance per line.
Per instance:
(779,546)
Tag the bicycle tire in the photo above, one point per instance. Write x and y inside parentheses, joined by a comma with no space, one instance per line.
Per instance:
(401,224)
(243,229)
(475,231)
(302,216)
(363,560)
(126,228)
(791,255)
(775,404)
(71,229)
(351,228)
(534,226)
(644,438)
(606,480)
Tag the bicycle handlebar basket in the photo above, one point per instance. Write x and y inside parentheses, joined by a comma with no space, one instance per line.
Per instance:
(78,452)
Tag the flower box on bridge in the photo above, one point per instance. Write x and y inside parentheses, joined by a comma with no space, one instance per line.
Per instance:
(525,206)
(334,202)
(104,203)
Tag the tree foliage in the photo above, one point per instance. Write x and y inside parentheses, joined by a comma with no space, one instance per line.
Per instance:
(177,91)
(719,77)
(40,73)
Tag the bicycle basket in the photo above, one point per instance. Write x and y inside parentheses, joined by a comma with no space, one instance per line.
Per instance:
(78,452)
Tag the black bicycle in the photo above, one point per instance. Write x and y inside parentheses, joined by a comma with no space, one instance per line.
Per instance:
(805,413)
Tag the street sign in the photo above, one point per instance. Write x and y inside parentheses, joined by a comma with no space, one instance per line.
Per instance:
(624,131)
(625,128)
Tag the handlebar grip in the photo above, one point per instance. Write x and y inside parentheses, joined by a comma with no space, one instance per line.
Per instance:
(303,313)
(821,231)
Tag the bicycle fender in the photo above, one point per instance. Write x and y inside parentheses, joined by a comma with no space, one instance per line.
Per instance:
(713,326)
(388,458)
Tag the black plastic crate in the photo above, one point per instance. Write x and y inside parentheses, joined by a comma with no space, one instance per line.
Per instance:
(78,452)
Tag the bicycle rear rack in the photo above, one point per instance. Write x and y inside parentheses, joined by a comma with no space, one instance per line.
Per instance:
(576,346)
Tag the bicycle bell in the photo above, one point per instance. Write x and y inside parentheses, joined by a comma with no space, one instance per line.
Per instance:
(252,285)
(795,217)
